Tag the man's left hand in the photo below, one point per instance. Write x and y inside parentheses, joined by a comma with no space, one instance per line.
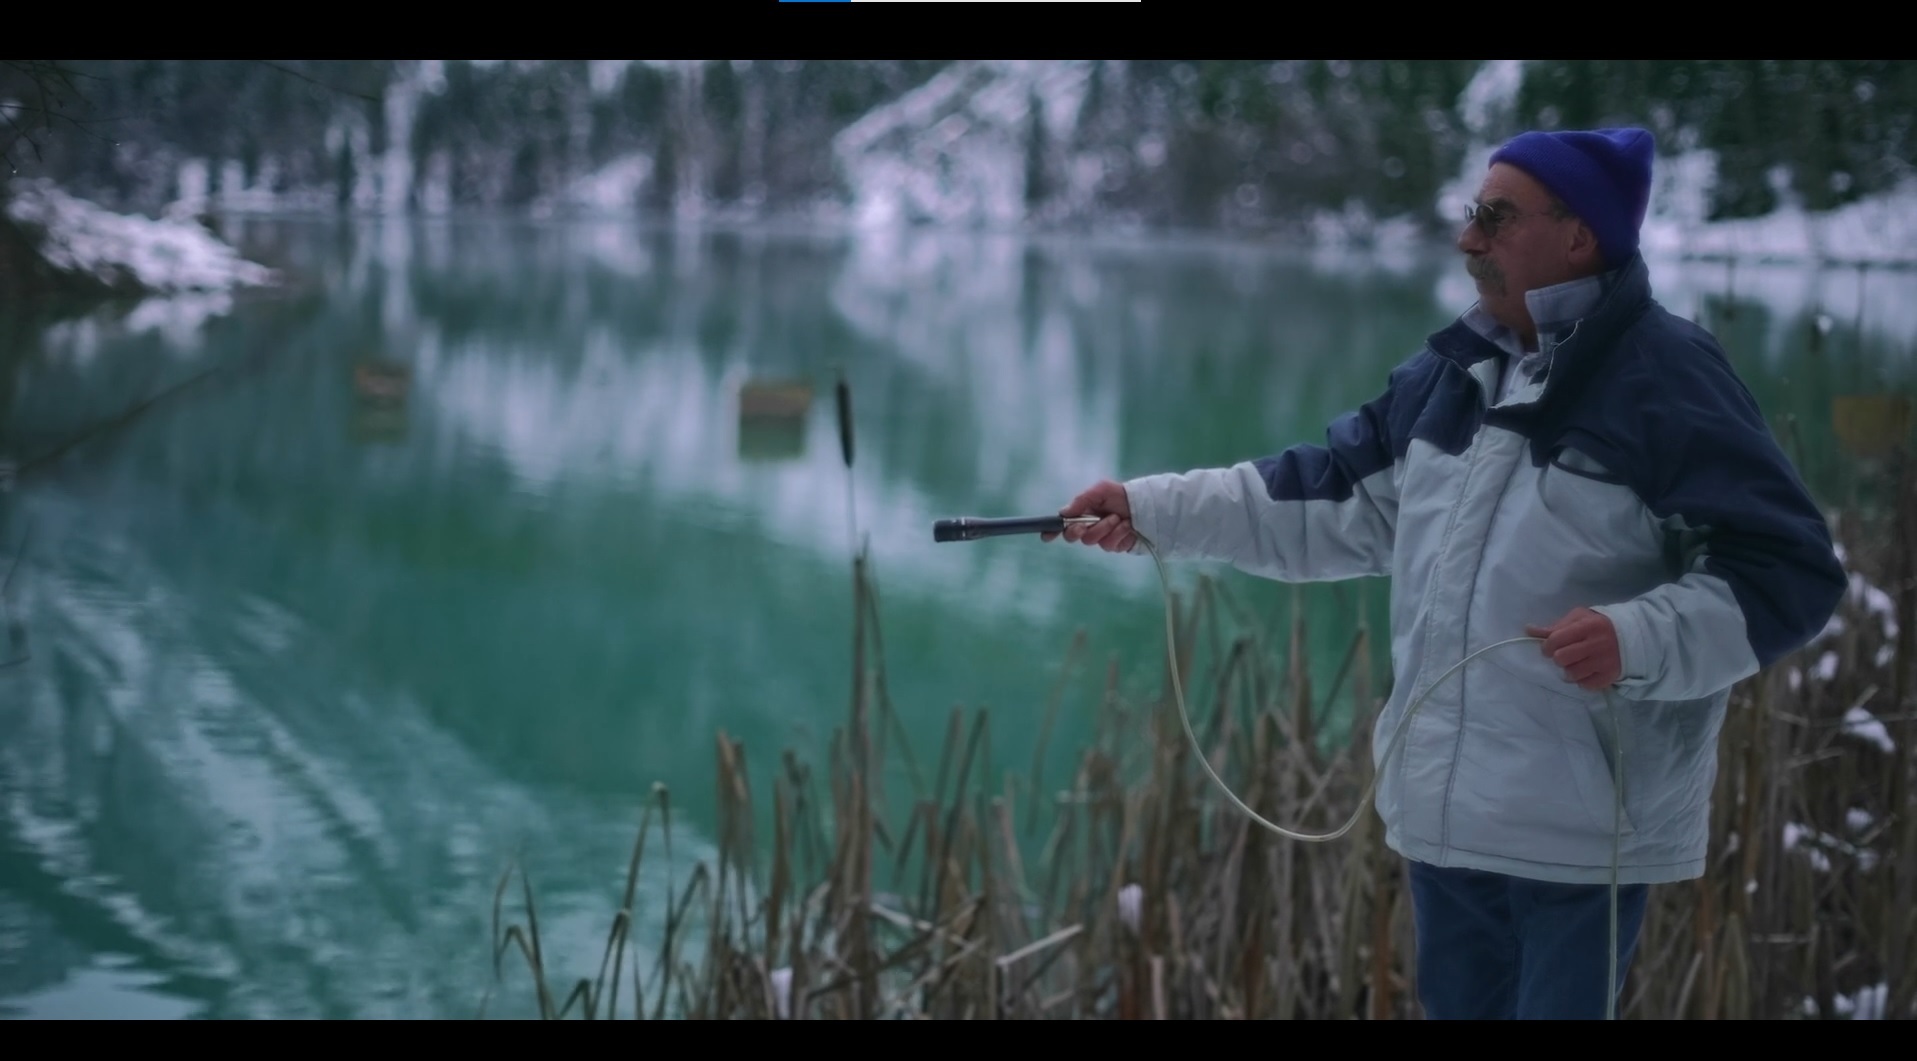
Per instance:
(1584,643)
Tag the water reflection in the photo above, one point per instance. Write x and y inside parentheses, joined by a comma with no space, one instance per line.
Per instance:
(311,655)
(207,785)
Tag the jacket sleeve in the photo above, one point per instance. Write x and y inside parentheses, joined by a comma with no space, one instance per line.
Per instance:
(1756,573)
(1309,513)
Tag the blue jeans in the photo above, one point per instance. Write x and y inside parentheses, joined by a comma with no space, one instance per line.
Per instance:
(1492,947)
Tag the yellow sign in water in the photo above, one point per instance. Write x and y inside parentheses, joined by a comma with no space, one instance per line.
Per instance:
(1871,425)
(772,419)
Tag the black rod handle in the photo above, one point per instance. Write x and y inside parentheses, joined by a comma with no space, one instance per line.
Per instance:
(970,528)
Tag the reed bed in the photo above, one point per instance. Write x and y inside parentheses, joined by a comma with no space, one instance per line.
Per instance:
(1144,895)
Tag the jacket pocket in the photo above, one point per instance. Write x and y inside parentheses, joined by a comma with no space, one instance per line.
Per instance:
(1532,780)
(1581,721)
(1566,459)
(1591,742)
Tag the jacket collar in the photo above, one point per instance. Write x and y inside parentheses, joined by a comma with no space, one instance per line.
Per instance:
(1557,310)
(1577,323)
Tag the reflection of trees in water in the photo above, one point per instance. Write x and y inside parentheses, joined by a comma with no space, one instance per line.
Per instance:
(227,798)
(33,952)
(100,830)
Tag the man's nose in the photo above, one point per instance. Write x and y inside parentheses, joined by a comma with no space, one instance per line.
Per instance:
(1471,238)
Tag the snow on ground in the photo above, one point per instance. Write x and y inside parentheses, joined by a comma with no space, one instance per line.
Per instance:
(1879,229)
(953,151)
(1866,1004)
(1860,723)
(164,256)
(1816,847)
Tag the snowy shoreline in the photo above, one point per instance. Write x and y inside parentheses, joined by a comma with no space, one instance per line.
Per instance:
(127,253)
(177,254)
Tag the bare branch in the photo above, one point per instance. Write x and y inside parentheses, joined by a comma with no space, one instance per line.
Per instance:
(19,134)
(290,72)
(49,87)
(65,77)
(23,108)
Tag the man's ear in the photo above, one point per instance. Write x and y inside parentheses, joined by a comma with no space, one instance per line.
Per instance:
(1583,250)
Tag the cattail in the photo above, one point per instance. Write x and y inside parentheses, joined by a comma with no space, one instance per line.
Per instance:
(845,419)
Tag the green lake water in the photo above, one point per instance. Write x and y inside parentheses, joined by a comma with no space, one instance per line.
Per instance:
(293,676)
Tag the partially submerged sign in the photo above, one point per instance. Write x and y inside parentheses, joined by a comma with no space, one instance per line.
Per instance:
(1871,425)
(772,416)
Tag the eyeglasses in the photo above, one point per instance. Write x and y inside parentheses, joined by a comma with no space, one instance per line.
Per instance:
(1490,219)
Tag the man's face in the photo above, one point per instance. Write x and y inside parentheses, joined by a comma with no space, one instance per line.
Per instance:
(1525,248)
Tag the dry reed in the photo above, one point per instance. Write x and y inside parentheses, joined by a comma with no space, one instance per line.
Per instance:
(1150,897)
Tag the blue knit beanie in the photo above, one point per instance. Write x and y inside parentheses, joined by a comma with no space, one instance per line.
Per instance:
(1603,175)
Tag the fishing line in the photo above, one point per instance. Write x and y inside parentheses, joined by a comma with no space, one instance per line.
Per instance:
(973,529)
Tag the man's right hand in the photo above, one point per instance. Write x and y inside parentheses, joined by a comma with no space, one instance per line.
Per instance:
(1113,532)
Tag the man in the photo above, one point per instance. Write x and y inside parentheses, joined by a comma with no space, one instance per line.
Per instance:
(1566,461)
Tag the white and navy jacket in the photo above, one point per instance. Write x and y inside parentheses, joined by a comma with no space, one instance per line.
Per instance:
(1626,468)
